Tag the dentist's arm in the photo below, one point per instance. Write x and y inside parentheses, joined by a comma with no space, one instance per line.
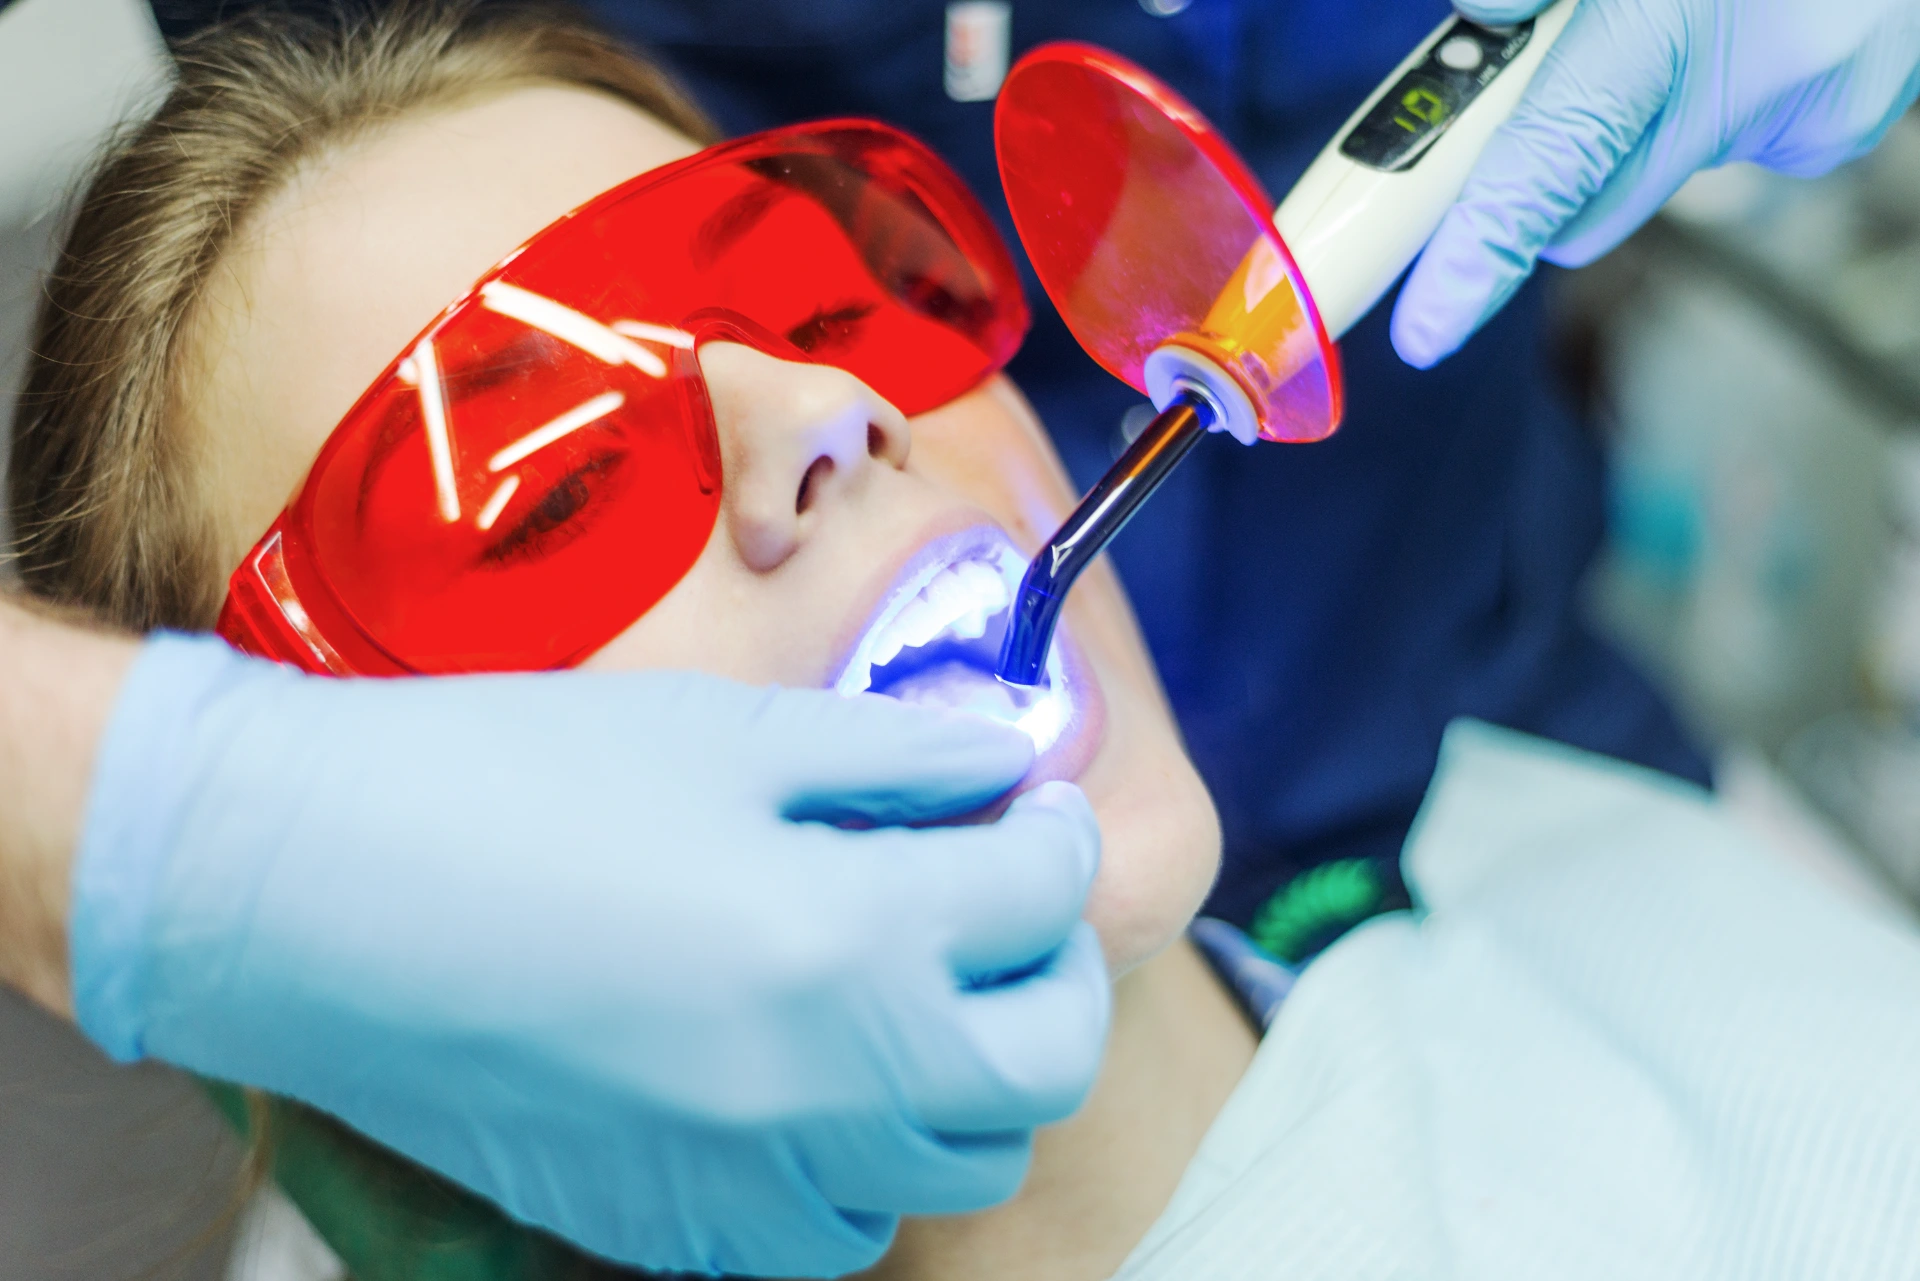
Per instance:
(1635,97)
(601,947)
(57,688)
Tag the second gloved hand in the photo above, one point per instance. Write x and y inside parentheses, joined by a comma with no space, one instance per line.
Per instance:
(579,942)
(1637,96)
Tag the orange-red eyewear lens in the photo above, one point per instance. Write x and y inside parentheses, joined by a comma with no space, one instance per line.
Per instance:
(541,466)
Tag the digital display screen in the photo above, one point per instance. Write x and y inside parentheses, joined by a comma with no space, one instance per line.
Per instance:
(1400,127)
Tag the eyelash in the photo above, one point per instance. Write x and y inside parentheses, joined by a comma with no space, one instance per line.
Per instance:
(562,514)
(830,327)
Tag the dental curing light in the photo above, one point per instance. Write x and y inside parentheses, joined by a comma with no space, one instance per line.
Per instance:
(1153,241)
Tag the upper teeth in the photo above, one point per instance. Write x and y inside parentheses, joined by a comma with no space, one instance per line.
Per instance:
(957,601)
(960,599)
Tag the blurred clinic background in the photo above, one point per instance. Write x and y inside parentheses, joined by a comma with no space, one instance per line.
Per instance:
(1750,362)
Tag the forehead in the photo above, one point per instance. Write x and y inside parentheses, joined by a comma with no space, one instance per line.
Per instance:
(335,274)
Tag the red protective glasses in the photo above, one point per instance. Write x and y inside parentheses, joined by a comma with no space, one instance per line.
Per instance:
(541,466)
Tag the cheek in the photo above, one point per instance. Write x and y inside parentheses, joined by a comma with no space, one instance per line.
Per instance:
(703,624)
(973,449)
(1160,840)
(725,620)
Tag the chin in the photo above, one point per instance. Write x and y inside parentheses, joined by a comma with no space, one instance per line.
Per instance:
(1161,852)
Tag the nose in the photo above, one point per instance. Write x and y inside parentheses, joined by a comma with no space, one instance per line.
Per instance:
(796,439)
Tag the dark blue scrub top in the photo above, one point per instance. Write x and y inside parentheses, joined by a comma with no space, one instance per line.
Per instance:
(1319,612)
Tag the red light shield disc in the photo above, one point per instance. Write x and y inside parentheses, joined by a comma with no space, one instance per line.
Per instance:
(1145,227)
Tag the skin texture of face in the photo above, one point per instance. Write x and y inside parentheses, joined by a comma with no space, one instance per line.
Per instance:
(828,490)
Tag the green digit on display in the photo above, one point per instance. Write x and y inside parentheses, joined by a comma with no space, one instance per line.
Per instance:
(1420,109)
(1424,105)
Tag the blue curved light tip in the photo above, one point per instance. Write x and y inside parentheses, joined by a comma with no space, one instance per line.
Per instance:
(1104,512)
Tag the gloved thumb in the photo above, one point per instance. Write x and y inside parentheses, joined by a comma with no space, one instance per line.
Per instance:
(1496,13)
(1010,891)
(831,758)
(1588,107)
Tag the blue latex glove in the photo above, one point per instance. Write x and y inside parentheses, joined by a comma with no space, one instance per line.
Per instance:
(1636,96)
(564,939)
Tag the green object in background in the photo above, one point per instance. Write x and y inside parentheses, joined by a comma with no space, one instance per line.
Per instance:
(391,1220)
(1318,906)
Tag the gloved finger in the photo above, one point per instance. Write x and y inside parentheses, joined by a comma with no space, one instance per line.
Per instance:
(777,1220)
(1036,1044)
(1004,894)
(1842,115)
(1495,13)
(1642,182)
(1590,103)
(906,1169)
(776,1252)
(831,758)
(1663,161)
(1833,121)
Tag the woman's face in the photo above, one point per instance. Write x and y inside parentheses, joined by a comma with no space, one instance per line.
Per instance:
(836,510)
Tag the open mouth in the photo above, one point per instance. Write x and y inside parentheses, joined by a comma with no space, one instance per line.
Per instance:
(935,640)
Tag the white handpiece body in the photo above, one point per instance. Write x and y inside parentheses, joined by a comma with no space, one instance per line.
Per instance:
(1352,226)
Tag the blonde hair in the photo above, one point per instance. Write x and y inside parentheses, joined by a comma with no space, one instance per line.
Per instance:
(108,513)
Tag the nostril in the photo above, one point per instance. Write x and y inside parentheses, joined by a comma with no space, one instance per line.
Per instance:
(810,484)
(876,441)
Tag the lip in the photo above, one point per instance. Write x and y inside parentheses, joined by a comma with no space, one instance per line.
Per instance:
(1066,720)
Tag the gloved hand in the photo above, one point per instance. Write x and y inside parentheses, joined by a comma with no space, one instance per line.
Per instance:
(576,942)
(1636,96)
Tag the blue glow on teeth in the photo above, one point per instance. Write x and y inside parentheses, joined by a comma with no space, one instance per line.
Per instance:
(936,641)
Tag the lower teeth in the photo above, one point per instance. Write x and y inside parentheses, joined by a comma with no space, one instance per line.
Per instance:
(962,687)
